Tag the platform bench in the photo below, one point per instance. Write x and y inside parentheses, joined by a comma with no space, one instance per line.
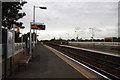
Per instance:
(23,61)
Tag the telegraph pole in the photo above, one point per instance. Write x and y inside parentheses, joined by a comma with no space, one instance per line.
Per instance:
(92,33)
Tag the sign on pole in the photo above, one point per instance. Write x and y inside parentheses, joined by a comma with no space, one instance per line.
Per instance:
(38,26)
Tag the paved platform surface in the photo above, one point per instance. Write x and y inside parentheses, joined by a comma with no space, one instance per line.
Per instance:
(47,65)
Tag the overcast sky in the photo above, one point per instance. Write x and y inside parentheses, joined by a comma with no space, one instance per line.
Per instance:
(65,16)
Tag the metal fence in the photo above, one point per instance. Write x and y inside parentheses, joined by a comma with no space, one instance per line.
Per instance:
(17,48)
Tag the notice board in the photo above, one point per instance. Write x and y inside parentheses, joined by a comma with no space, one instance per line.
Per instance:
(9,43)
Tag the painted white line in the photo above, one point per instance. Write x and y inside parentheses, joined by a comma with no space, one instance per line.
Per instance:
(79,63)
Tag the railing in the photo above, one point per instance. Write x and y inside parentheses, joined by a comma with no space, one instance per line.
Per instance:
(18,47)
(21,46)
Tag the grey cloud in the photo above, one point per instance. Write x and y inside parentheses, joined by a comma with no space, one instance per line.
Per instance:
(78,0)
(66,16)
(77,28)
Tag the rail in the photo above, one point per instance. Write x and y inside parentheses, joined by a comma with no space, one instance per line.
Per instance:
(105,64)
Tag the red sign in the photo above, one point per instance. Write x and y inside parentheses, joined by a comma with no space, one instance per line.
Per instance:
(41,27)
(77,37)
(18,30)
(108,38)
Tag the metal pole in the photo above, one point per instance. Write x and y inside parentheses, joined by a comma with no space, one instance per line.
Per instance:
(92,34)
(67,36)
(33,13)
(104,39)
(36,37)
(33,21)
(30,31)
(1,57)
(11,58)
(30,40)
(22,40)
(13,49)
(5,55)
(13,38)
(77,35)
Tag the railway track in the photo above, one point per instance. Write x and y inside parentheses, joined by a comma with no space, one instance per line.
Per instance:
(105,64)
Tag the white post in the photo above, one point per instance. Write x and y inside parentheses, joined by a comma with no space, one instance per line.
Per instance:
(30,31)
(33,22)
(33,13)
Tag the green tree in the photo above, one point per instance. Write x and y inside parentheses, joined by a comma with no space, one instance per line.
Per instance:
(80,39)
(11,13)
(53,39)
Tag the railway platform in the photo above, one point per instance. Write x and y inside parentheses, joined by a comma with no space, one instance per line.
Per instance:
(47,63)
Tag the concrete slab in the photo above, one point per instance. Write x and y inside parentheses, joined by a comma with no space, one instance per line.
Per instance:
(47,65)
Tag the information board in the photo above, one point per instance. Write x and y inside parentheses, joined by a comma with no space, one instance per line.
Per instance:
(9,43)
(37,25)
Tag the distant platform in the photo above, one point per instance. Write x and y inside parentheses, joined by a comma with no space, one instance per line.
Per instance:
(100,52)
(104,47)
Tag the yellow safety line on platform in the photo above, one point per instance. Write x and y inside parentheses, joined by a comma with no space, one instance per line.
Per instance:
(68,63)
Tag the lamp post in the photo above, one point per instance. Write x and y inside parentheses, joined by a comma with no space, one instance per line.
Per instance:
(34,22)
(92,33)
(34,11)
(34,16)
(77,35)
(22,27)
